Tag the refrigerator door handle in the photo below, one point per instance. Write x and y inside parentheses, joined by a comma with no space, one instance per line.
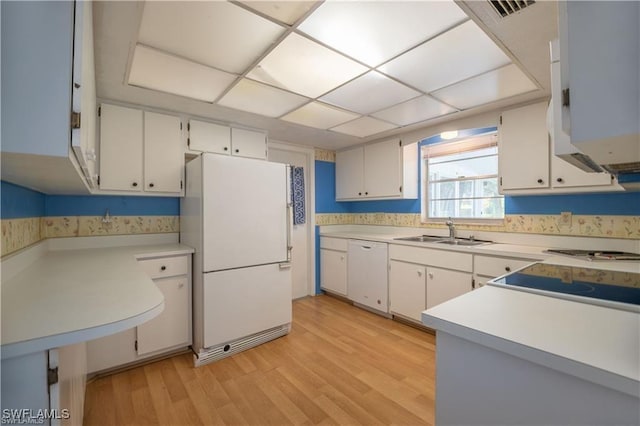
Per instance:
(289,246)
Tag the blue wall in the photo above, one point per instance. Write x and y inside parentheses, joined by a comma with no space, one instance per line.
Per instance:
(19,202)
(611,203)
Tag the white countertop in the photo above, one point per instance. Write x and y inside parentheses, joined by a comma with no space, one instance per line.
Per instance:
(69,296)
(595,343)
(493,249)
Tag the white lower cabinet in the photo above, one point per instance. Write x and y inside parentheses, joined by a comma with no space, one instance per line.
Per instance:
(420,278)
(367,274)
(170,330)
(407,289)
(171,327)
(333,265)
(488,267)
(443,285)
(333,271)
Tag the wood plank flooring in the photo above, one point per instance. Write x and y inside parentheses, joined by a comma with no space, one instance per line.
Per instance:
(340,365)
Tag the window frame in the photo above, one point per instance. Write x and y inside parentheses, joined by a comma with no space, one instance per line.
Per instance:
(466,136)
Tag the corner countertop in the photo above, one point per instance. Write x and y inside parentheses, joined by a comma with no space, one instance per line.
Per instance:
(68,296)
(595,343)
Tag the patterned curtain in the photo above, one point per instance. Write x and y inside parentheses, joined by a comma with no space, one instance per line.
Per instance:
(297,195)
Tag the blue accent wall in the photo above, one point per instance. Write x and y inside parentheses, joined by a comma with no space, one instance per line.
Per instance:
(96,205)
(20,202)
(609,203)
(326,189)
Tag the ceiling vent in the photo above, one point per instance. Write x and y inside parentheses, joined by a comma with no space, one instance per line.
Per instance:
(509,7)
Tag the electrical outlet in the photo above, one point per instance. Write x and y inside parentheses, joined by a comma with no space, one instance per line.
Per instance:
(565,218)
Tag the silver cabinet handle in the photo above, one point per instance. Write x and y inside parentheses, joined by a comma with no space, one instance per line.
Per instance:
(430,275)
(419,273)
(181,285)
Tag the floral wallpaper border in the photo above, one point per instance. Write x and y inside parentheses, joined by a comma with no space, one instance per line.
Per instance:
(325,155)
(20,233)
(581,225)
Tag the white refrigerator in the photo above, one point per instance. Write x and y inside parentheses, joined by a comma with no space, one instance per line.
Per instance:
(235,214)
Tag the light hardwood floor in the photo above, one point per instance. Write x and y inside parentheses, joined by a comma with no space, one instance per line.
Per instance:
(339,365)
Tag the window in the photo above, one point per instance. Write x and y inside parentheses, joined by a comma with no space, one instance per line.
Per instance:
(461,178)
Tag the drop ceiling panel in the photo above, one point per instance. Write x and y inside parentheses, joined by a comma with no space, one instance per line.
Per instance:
(259,98)
(370,92)
(156,70)
(414,111)
(363,127)
(460,53)
(214,33)
(374,32)
(288,12)
(492,86)
(302,66)
(319,115)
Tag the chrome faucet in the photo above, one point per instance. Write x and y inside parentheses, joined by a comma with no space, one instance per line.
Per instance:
(452,229)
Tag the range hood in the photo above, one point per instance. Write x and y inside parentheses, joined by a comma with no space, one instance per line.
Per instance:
(616,155)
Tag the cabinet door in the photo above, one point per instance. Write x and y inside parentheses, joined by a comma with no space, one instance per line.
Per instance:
(383,169)
(171,327)
(209,137)
(524,148)
(407,289)
(248,143)
(600,63)
(120,148)
(350,174)
(443,285)
(566,175)
(111,351)
(163,154)
(83,139)
(333,271)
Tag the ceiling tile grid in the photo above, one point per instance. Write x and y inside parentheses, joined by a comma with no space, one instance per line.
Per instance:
(355,68)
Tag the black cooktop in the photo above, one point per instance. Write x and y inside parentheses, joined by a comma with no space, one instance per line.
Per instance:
(609,288)
(597,254)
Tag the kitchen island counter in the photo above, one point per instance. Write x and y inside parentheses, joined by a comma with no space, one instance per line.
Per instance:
(565,359)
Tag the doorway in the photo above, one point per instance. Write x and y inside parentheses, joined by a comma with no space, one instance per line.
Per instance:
(302,238)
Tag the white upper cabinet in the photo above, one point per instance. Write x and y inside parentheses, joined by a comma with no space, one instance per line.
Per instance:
(382,170)
(600,65)
(221,139)
(350,174)
(249,143)
(121,142)
(48,72)
(140,151)
(209,137)
(526,161)
(163,155)
(83,99)
(523,148)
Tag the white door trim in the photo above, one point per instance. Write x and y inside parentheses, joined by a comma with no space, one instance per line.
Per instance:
(310,154)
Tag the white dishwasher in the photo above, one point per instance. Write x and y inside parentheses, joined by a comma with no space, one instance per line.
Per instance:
(368,274)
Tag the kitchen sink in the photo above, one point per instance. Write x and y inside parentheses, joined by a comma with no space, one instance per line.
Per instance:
(463,242)
(423,238)
(444,240)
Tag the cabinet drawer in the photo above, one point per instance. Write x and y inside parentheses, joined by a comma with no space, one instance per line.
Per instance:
(424,256)
(166,266)
(493,266)
(340,244)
